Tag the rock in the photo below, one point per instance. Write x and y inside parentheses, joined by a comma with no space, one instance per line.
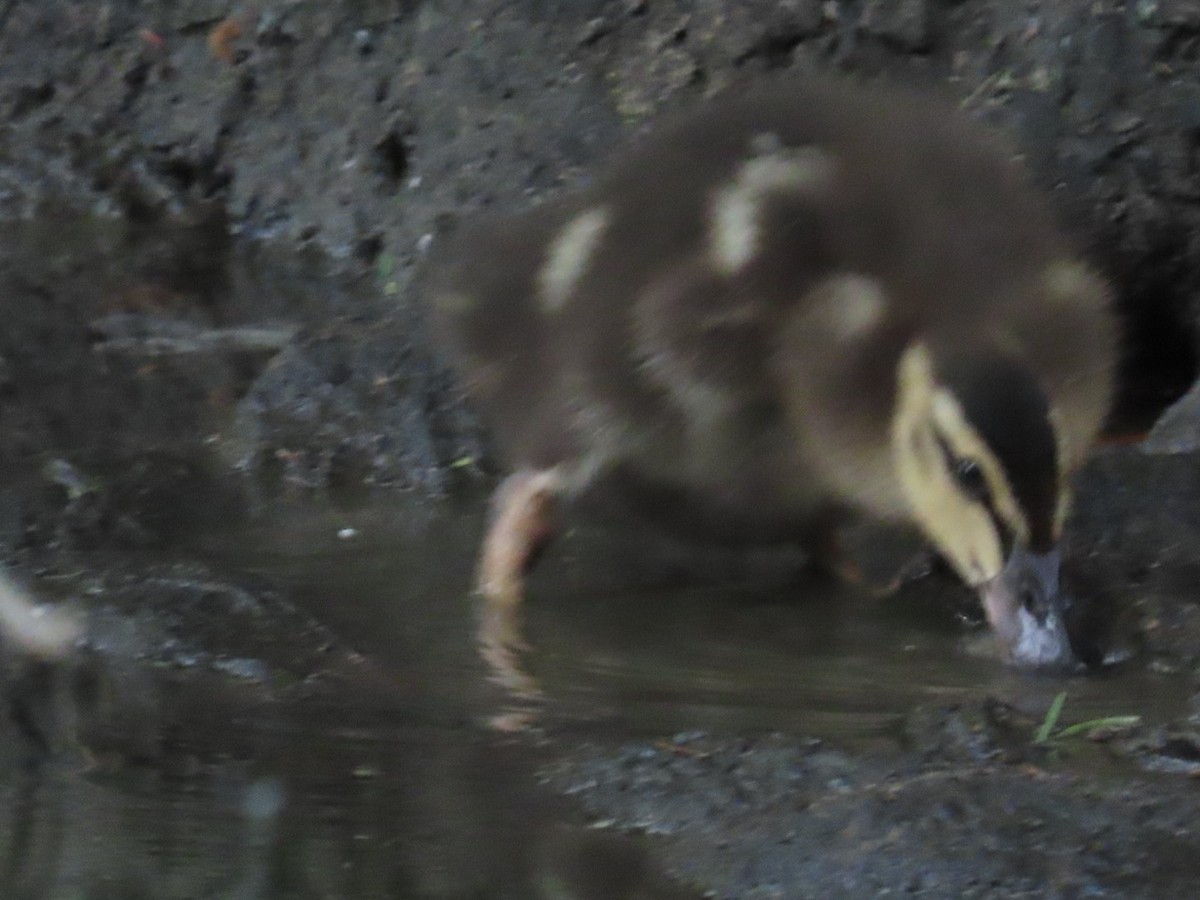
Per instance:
(194,13)
(1037,118)
(1178,429)
(1187,109)
(1102,68)
(904,22)
(1172,13)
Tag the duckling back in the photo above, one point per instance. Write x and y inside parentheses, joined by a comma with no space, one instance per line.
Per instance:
(723,311)
(486,313)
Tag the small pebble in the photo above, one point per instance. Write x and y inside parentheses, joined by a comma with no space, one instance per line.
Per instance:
(1125,123)
(264,799)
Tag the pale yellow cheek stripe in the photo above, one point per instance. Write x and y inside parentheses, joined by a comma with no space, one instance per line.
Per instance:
(960,527)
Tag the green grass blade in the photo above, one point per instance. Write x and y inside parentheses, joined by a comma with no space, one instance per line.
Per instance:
(1096,724)
(1052,714)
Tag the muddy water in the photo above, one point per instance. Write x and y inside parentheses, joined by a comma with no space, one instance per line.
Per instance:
(374,781)
(386,782)
(618,650)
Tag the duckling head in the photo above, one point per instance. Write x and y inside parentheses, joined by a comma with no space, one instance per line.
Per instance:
(979,455)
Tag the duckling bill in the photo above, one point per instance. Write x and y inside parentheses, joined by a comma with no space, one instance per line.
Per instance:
(808,299)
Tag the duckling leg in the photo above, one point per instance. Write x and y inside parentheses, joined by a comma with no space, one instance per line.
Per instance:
(828,559)
(523,509)
(921,565)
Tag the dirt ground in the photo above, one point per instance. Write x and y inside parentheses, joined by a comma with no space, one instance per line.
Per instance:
(212,222)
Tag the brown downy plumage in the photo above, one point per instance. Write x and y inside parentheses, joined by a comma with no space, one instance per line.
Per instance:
(808,298)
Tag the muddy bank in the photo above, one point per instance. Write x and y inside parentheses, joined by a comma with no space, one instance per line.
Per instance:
(214,387)
(363,128)
(766,817)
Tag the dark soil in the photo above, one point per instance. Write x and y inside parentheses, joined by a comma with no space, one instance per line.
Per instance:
(214,218)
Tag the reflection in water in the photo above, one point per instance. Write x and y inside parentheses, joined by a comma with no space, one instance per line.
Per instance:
(36,836)
(120,779)
(379,779)
(620,644)
(313,801)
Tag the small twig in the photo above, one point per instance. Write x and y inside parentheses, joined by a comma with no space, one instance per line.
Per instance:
(174,338)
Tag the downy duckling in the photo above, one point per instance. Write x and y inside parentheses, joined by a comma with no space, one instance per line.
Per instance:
(810,298)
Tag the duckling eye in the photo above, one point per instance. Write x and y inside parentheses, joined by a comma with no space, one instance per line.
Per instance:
(970,478)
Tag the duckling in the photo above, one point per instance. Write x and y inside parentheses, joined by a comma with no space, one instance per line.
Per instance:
(812,298)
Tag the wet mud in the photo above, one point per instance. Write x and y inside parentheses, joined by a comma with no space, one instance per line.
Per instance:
(227,447)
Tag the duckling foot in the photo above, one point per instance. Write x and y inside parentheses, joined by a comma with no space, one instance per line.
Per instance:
(828,559)
(917,568)
(522,523)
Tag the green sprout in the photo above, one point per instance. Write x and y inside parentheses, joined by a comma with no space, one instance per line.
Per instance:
(385,266)
(1046,733)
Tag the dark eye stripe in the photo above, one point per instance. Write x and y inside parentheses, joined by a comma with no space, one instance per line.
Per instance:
(961,468)
(970,478)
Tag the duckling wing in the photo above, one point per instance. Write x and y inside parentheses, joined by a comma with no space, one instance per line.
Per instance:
(486,312)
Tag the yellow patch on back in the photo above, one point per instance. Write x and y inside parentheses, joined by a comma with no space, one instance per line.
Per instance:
(737,206)
(568,256)
(847,306)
